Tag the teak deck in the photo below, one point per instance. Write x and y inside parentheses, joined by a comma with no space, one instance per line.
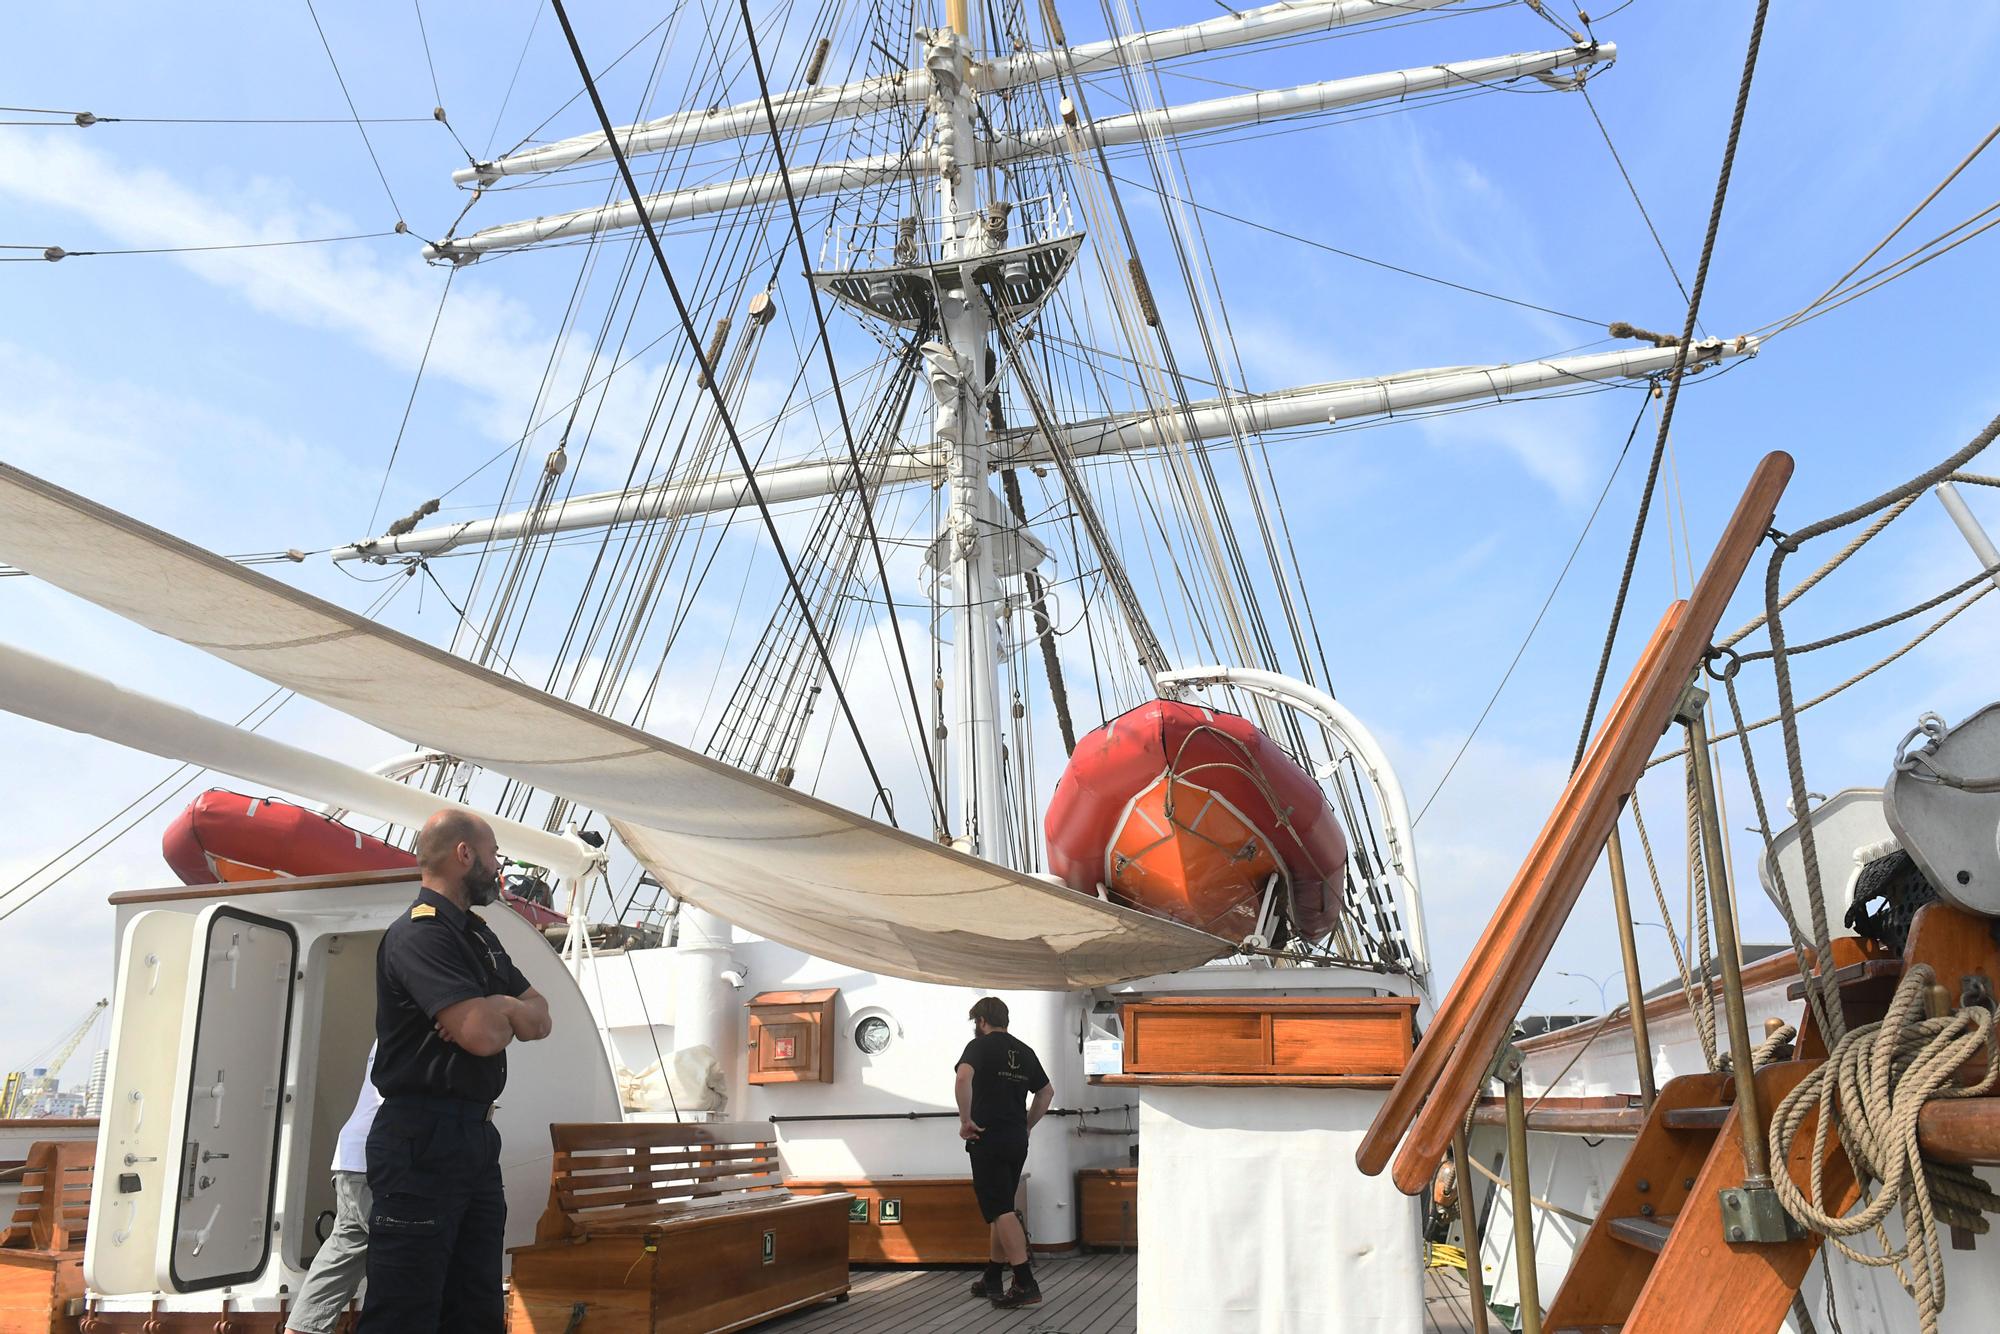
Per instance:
(1091,1294)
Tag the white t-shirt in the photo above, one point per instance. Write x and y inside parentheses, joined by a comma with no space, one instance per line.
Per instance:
(350,1154)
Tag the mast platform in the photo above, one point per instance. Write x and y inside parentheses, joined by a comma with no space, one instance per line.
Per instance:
(894,270)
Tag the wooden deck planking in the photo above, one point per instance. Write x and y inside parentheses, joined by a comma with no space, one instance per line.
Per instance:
(1447,1304)
(1091,1294)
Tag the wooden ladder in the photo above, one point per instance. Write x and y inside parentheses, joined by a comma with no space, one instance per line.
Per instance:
(1659,1260)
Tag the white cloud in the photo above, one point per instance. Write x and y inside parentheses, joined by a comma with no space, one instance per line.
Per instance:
(378,295)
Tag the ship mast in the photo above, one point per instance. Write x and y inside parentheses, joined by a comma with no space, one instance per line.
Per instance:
(958,367)
(981,269)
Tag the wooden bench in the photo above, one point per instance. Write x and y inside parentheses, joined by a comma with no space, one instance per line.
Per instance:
(41,1250)
(674,1228)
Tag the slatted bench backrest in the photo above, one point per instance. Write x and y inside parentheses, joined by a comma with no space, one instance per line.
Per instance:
(54,1203)
(626,1176)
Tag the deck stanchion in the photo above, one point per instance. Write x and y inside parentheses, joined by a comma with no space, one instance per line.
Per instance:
(1527,1280)
(1468,1230)
(1751,1212)
(1635,988)
(1749,1116)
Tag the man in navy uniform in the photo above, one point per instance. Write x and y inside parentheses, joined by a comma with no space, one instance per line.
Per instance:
(1002,1092)
(448,1001)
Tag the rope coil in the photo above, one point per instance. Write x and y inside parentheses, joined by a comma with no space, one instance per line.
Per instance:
(1871,1088)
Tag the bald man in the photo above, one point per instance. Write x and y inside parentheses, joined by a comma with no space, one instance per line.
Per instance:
(448,1002)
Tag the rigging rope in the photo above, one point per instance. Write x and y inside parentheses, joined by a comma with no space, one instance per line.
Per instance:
(1897,230)
(1677,374)
(1702,1011)
(1851,681)
(867,503)
(722,408)
(1833,563)
(1547,602)
(1646,217)
(1884,622)
(360,129)
(1584,1219)
(1819,985)
(1871,1089)
(411,402)
(1360,258)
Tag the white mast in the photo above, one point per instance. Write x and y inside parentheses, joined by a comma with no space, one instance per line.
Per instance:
(957,367)
(1345,401)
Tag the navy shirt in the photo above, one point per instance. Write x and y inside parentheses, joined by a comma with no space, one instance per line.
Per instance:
(1005,1074)
(432,957)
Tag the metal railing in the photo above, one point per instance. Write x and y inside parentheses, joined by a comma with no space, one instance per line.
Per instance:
(919,239)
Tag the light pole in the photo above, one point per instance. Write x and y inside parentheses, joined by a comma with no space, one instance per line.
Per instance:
(1602,1006)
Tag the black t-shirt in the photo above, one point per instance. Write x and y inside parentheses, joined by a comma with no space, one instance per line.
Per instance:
(432,957)
(1005,1074)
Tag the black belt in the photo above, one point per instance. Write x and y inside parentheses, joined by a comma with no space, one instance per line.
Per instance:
(458,1109)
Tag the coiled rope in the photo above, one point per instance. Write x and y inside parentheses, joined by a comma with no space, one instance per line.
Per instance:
(1871,1089)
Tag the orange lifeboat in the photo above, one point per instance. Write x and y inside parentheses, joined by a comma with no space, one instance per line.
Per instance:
(224,837)
(1181,811)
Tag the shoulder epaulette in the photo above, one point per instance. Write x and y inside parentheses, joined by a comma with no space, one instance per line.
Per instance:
(424,910)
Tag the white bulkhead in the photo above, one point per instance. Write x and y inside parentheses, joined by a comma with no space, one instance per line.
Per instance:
(242,1025)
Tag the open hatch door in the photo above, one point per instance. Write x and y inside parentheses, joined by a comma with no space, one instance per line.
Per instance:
(222,1134)
(134,1174)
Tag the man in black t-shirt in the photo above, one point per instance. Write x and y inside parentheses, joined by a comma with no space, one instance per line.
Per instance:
(1002,1092)
(448,1002)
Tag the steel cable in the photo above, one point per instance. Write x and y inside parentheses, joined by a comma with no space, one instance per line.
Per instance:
(1677,374)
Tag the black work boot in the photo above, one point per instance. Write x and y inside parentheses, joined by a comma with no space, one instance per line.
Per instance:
(1021,1294)
(988,1284)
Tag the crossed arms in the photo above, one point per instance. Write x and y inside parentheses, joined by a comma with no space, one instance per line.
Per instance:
(484,1025)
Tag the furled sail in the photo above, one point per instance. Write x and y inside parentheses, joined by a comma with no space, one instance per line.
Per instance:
(777,862)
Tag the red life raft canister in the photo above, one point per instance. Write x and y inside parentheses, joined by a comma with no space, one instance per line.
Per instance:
(1185,812)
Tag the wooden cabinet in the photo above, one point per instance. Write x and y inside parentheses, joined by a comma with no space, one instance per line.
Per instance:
(911,1220)
(1107,1208)
(791,1037)
(1352,1041)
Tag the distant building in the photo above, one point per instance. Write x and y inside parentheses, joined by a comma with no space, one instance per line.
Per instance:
(30,1088)
(67,1103)
(93,1092)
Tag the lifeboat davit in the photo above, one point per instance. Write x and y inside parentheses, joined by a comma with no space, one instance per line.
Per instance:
(1185,812)
(224,837)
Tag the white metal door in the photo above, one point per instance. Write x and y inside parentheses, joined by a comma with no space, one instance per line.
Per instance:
(133,1194)
(223,1141)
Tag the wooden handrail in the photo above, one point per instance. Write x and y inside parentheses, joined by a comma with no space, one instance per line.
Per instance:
(1430,1100)
(1452,1019)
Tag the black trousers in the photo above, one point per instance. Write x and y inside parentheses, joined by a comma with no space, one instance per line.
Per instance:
(437,1228)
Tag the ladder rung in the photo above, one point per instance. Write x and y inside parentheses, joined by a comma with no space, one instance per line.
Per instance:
(1696,1118)
(1649,1234)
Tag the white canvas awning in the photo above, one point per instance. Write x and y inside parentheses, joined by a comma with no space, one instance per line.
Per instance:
(785,865)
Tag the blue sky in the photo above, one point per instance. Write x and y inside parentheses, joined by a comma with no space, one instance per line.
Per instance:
(248,400)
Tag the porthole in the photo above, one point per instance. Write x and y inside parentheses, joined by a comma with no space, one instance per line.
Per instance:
(872,1035)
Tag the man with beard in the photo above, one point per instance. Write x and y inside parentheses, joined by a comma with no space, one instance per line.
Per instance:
(448,1000)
